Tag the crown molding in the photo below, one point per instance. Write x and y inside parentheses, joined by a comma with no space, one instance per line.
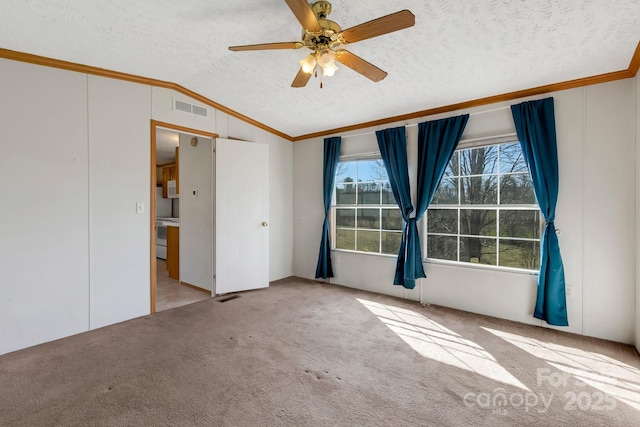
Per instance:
(96,71)
(630,72)
(555,87)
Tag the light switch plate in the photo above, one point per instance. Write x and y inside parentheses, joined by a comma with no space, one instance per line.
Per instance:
(139,207)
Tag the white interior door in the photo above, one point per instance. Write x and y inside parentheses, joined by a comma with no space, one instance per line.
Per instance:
(241,216)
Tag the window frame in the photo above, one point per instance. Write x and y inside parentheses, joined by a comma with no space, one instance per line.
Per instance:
(496,141)
(357,206)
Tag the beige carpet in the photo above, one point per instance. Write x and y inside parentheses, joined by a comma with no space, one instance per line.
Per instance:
(303,353)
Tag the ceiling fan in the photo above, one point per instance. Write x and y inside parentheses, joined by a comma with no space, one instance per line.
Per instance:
(322,36)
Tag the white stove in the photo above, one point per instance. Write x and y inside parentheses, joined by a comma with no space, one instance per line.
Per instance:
(161,235)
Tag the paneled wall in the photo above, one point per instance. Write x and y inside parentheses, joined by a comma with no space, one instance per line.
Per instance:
(75,255)
(595,215)
(44,213)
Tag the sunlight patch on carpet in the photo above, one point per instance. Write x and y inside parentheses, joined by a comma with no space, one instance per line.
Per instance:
(434,341)
(610,376)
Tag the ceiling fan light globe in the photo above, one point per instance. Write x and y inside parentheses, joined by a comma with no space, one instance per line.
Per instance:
(326,58)
(308,64)
(329,70)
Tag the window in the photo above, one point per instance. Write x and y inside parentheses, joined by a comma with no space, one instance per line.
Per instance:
(365,215)
(484,210)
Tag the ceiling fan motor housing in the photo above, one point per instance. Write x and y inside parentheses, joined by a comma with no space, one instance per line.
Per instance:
(327,37)
(322,9)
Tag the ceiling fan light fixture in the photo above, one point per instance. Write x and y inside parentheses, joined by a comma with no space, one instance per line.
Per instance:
(329,70)
(326,58)
(308,64)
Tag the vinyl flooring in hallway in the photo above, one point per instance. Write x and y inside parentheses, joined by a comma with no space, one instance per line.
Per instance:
(170,293)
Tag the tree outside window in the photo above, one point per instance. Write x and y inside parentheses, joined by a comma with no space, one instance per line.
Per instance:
(484,210)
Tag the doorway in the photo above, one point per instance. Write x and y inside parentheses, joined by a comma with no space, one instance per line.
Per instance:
(168,288)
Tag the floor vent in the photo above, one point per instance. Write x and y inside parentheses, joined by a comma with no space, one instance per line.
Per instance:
(227,298)
(190,108)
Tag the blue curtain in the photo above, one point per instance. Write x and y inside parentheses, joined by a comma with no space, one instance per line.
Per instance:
(536,128)
(437,141)
(393,149)
(331,157)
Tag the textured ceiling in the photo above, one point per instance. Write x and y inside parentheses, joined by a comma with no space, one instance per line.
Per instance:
(457,51)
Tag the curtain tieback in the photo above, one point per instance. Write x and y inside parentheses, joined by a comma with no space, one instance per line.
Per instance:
(550,225)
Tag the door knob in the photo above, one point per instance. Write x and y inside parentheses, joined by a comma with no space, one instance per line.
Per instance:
(265,223)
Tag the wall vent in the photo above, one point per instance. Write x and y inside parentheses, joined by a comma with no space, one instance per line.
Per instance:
(190,108)
(199,111)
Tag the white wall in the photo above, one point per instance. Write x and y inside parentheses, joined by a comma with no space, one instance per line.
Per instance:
(196,213)
(609,212)
(595,215)
(118,236)
(44,221)
(76,159)
(280,208)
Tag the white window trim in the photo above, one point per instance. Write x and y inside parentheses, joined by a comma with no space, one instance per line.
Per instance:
(373,155)
(465,145)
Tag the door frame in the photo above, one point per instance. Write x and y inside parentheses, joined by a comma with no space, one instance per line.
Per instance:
(155,124)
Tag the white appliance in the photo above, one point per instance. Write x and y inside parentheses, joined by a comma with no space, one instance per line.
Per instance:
(172,190)
(161,240)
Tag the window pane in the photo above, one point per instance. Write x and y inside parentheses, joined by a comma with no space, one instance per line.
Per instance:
(479,190)
(511,158)
(452,168)
(516,189)
(391,242)
(387,194)
(523,224)
(346,172)
(447,192)
(391,219)
(442,247)
(520,254)
(368,241)
(345,239)
(369,193)
(478,222)
(478,250)
(479,161)
(369,218)
(369,170)
(346,194)
(346,218)
(442,221)
(476,183)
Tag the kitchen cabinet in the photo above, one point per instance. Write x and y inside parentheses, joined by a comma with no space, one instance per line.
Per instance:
(173,252)
(166,176)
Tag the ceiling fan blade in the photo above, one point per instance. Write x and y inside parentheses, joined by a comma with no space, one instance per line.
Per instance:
(304,14)
(267,46)
(377,27)
(359,65)
(301,79)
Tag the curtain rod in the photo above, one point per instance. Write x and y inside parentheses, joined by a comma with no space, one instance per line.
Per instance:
(416,124)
